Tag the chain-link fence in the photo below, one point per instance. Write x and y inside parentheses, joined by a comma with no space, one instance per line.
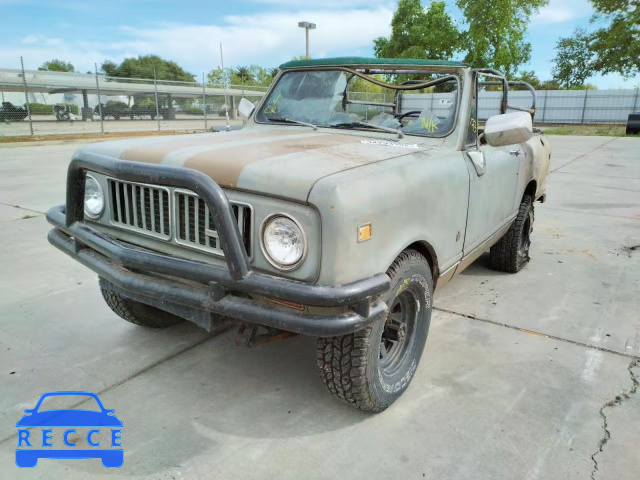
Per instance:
(47,103)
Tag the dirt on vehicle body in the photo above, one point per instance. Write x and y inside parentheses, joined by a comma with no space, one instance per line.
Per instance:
(357,188)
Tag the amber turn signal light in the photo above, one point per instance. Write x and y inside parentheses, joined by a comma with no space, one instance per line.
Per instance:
(364,232)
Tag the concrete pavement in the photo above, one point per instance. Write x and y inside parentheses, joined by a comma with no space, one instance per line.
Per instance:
(519,375)
(47,125)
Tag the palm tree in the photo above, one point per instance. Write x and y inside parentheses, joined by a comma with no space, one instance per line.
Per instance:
(273,72)
(243,74)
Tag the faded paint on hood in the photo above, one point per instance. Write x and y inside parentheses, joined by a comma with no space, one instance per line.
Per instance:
(281,162)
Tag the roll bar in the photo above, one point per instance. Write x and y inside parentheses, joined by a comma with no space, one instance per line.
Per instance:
(490,72)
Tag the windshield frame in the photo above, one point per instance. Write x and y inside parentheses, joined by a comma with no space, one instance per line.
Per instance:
(450,74)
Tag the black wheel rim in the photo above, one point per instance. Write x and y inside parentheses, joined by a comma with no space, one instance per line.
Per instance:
(398,331)
(525,238)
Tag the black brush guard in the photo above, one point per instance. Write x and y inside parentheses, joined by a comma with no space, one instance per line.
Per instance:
(194,290)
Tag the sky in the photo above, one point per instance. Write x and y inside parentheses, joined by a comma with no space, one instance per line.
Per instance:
(263,32)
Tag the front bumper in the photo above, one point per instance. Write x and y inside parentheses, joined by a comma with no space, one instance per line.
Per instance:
(194,290)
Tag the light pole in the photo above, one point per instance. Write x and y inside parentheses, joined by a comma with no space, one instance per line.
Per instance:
(307,26)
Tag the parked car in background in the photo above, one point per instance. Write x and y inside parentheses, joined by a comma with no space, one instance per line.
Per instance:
(143,111)
(11,113)
(63,112)
(113,109)
(357,189)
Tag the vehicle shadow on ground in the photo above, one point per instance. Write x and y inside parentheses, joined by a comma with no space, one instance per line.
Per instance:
(273,387)
(480,268)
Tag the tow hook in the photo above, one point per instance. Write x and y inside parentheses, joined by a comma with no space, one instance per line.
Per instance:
(248,335)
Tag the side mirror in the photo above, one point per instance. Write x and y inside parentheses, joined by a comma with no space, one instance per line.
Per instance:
(508,129)
(245,108)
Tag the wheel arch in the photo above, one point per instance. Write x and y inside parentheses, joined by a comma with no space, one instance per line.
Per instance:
(425,249)
(531,189)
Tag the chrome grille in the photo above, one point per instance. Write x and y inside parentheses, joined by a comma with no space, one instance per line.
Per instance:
(175,215)
(194,223)
(144,208)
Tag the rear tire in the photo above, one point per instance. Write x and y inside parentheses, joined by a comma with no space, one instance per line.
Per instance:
(511,253)
(371,368)
(138,313)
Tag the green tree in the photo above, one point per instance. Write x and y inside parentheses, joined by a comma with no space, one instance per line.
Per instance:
(497,28)
(217,76)
(254,75)
(56,65)
(243,74)
(527,76)
(273,72)
(361,85)
(108,67)
(550,85)
(260,75)
(417,32)
(617,46)
(143,67)
(583,86)
(574,60)
(554,85)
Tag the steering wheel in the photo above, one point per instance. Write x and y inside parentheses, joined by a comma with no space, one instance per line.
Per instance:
(412,112)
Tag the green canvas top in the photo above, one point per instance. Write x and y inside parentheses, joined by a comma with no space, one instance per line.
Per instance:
(345,61)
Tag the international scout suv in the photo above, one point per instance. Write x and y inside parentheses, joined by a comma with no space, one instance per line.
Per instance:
(357,188)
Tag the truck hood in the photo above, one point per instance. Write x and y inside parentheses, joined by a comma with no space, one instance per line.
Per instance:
(282,162)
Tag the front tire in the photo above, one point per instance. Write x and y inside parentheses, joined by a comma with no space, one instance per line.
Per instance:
(371,368)
(511,253)
(138,313)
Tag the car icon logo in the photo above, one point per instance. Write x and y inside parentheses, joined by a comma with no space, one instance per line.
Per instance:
(54,433)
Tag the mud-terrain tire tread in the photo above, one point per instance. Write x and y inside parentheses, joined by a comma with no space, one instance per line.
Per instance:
(503,256)
(342,360)
(138,313)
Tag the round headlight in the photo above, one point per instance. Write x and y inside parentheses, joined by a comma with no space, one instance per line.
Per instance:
(283,242)
(93,197)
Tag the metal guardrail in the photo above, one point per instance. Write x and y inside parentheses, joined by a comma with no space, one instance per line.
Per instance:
(38,102)
(14,80)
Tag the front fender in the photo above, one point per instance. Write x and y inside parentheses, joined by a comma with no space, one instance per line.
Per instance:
(418,197)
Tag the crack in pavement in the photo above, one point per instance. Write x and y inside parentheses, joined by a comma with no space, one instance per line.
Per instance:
(540,334)
(619,399)
(584,155)
(22,208)
(214,333)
